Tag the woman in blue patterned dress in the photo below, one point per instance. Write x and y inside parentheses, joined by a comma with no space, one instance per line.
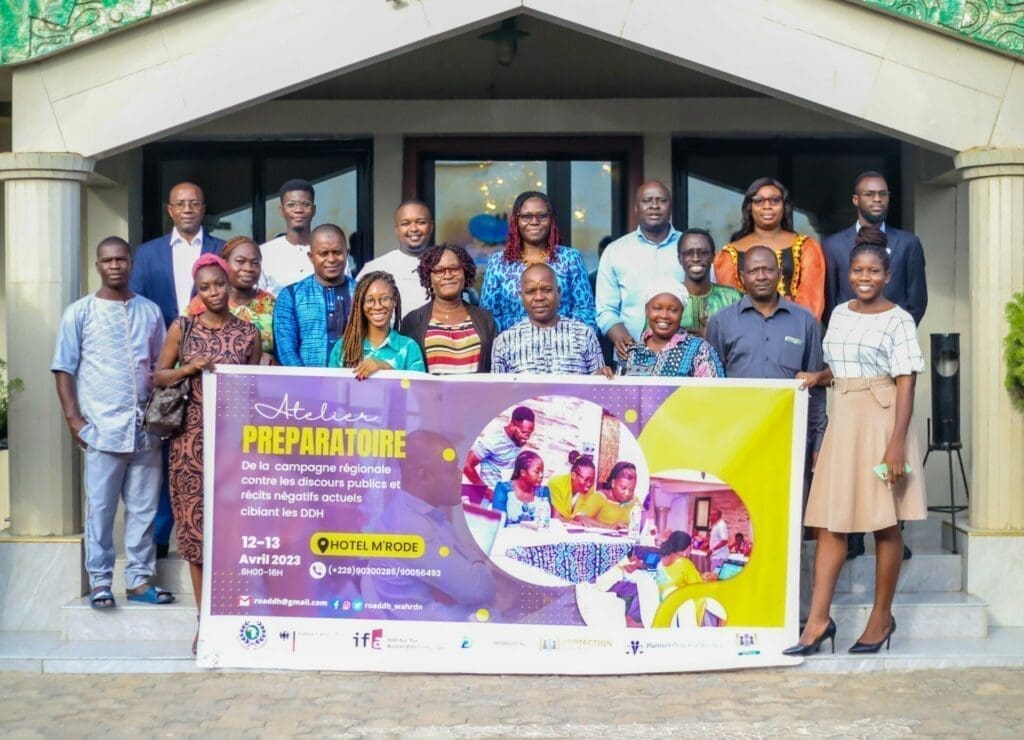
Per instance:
(664,348)
(533,237)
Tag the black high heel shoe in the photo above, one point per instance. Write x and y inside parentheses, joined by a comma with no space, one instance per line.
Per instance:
(828,634)
(873,647)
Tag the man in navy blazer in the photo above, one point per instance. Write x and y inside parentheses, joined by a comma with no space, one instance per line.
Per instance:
(162,272)
(163,267)
(907,288)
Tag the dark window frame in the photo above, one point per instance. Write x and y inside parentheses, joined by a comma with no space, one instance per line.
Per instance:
(422,152)
(784,149)
(258,152)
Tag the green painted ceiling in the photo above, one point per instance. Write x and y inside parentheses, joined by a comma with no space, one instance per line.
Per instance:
(33,28)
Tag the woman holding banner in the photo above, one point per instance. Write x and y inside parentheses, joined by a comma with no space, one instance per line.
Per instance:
(194,344)
(868,473)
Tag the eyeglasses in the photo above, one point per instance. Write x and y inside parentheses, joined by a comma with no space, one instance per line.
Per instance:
(181,204)
(872,194)
(446,271)
(385,301)
(534,217)
(293,204)
(695,254)
(771,199)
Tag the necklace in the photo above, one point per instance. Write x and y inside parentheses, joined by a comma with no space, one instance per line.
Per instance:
(527,261)
(447,312)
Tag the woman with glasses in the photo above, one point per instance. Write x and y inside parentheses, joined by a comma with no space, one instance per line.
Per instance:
(768,220)
(454,336)
(369,343)
(533,238)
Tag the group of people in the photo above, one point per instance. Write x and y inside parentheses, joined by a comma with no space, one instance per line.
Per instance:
(666,303)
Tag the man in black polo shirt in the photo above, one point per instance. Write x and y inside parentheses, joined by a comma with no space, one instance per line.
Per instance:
(767,336)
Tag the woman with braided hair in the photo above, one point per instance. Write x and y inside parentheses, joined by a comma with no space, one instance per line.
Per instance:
(768,220)
(369,343)
(532,238)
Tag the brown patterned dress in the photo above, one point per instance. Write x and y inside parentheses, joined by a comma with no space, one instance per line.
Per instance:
(232,344)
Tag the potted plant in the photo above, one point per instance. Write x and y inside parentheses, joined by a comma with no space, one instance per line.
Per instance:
(1014,345)
(7,389)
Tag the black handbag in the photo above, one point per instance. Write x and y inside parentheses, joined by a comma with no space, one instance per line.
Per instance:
(165,410)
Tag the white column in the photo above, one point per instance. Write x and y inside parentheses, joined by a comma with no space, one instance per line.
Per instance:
(43,231)
(995,180)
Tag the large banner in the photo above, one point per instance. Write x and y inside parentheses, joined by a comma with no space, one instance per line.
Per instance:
(498,524)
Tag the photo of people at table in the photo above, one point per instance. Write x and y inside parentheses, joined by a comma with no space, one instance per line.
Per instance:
(554,491)
(701,532)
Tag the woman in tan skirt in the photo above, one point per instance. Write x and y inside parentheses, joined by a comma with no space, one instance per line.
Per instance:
(873,355)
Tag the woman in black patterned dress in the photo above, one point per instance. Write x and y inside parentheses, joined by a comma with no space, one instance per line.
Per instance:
(215,337)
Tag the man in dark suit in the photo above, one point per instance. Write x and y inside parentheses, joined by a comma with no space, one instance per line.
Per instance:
(162,272)
(907,287)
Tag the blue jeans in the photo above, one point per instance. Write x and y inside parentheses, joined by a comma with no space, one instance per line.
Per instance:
(133,477)
(164,522)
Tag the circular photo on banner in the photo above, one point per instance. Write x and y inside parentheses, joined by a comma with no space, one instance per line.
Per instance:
(555,491)
(699,531)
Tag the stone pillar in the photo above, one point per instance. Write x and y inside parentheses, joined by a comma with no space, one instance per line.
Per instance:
(43,231)
(995,538)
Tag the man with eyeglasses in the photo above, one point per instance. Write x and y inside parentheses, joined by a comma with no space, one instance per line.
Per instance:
(631,262)
(286,257)
(696,252)
(310,315)
(162,272)
(907,287)
(414,225)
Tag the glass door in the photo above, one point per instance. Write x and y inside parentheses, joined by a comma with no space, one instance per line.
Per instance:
(240,181)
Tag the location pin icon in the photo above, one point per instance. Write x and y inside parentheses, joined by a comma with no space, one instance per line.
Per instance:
(322,545)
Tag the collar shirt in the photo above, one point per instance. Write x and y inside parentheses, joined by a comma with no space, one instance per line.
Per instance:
(110,348)
(184,254)
(569,347)
(404,269)
(628,265)
(283,263)
(788,341)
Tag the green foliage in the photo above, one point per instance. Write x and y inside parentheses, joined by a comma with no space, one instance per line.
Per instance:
(7,389)
(1014,345)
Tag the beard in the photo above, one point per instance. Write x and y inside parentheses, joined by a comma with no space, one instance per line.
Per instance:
(873,218)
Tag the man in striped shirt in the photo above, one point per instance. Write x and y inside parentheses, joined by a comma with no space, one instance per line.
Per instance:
(544,342)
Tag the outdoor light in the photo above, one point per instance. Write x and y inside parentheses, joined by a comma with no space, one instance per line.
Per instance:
(944,424)
(506,39)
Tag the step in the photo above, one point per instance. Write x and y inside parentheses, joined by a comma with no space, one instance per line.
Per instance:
(922,615)
(130,620)
(45,652)
(171,575)
(925,571)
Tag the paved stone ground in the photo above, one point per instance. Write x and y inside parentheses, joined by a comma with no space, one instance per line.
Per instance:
(950,703)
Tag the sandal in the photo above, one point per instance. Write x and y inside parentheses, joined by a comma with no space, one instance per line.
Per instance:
(102,597)
(152,595)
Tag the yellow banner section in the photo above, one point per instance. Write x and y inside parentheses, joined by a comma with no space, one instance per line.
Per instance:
(743,436)
(359,545)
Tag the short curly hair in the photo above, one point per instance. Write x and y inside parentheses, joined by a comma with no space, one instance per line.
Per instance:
(432,256)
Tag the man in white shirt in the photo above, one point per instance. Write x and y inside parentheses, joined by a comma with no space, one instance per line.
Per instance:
(286,257)
(631,262)
(414,225)
(162,272)
(718,539)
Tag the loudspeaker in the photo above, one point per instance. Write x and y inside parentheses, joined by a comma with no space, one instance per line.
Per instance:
(945,426)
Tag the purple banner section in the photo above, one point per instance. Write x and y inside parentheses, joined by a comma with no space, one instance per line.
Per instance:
(340,499)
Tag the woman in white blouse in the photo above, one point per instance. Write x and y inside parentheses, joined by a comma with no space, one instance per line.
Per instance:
(868,473)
